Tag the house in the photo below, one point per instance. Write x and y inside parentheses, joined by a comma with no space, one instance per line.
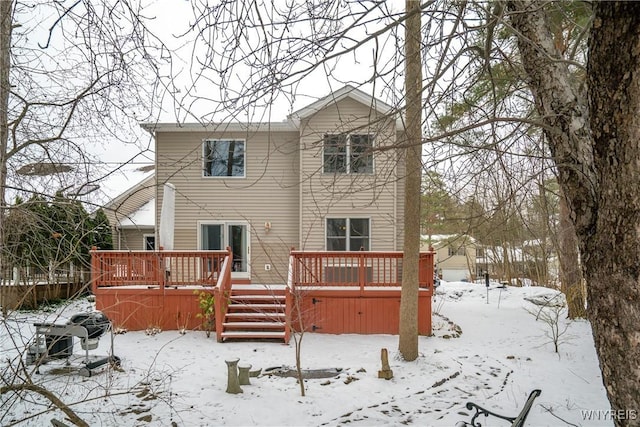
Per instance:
(132,216)
(285,221)
(455,255)
(532,261)
(328,178)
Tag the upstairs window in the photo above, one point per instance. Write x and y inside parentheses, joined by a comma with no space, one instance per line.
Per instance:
(348,234)
(224,158)
(351,153)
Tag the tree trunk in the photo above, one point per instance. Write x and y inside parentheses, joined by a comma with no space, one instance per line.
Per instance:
(599,172)
(570,274)
(613,270)
(408,340)
(5,65)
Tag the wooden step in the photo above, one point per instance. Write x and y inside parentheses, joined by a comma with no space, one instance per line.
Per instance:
(255,312)
(254,325)
(257,298)
(257,315)
(252,334)
(255,307)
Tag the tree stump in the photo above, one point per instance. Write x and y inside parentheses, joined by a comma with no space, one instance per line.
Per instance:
(386,371)
(233,384)
(243,375)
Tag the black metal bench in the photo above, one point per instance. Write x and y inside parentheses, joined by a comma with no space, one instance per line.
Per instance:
(517,421)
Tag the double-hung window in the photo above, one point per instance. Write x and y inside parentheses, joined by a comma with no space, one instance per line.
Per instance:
(224,158)
(348,153)
(348,234)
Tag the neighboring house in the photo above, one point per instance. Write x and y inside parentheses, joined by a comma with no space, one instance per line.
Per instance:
(455,257)
(531,262)
(132,216)
(328,178)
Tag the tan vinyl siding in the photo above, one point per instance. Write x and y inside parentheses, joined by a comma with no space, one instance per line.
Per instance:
(131,239)
(373,196)
(267,193)
(399,175)
(446,262)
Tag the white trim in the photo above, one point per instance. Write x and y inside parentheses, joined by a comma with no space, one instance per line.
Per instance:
(225,241)
(348,145)
(337,96)
(347,236)
(145,236)
(244,169)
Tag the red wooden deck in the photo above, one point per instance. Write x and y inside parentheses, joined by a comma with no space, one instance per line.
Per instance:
(327,292)
(355,292)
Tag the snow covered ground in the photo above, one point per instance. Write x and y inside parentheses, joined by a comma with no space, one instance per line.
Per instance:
(490,352)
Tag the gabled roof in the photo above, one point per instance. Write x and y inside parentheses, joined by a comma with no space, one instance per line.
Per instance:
(131,207)
(292,122)
(340,94)
(144,216)
(148,181)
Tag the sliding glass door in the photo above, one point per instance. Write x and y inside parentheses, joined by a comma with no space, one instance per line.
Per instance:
(219,236)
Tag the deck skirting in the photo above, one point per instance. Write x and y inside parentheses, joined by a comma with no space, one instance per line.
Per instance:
(333,310)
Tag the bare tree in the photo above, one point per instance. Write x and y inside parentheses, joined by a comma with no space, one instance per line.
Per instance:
(408,342)
(66,93)
(246,57)
(74,78)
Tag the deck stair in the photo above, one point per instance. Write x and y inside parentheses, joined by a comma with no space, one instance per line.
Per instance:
(255,312)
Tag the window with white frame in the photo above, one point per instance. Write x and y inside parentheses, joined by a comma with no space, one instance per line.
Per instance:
(348,153)
(348,234)
(224,158)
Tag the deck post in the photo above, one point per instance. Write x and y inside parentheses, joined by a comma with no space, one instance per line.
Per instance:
(94,269)
(161,270)
(219,315)
(362,272)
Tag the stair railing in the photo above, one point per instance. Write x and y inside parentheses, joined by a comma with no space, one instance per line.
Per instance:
(221,293)
(288,301)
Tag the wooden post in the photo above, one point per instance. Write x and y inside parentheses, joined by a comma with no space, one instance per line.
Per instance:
(243,374)
(361,271)
(386,371)
(233,384)
(95,265)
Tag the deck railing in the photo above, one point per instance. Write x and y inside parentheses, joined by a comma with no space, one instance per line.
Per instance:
(354,269)
(156,268)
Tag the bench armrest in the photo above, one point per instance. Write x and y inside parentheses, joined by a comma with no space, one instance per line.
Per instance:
(517,421)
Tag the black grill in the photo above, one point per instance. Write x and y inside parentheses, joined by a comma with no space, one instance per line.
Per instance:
(95,323)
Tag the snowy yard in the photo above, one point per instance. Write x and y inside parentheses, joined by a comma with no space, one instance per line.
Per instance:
(493,353)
